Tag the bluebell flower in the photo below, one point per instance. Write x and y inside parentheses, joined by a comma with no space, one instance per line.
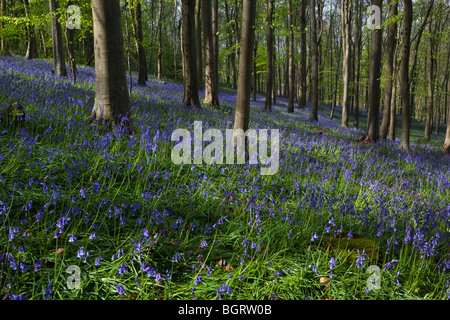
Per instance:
(120,290)
(122,269)
(72,238)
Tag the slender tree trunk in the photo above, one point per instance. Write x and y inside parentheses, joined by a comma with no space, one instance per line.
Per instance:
(314,64)
(302,62)
(431,63)
(242,115)
(57,40)
(291,79)
(374,82)
(190,70)
(393,104)
(211,94)
(70,43)
(215,45)
(358,61)
(31,36)
(404,74)
(336,80)
(269,31)
(3,43)
(447,135)
(198,42)
(112,102)
(255,52)
(142,66)
(230,44)
(160,23)
(175,39)
(390,48)
(346,13)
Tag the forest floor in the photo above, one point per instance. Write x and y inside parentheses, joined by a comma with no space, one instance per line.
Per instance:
(133,225)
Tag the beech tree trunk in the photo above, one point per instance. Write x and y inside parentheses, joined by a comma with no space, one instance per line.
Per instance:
(3,42)
(270,75)
(302,62)
(404,73)
(160,8)
(190,70)
(390,48)
(112,102)
(198,41)
(374,82)
(242,115)
(314,64)
(57,42)
(211,93)
(230,44)
(142,65)
(291,60)
(357,50)
(31,36)
(346,27)
(431,64)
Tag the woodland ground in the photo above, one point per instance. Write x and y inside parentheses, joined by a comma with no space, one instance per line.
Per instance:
(140,227)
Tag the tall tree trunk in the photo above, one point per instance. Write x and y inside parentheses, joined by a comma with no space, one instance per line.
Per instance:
(233,52)
(175,39)
(215,45)
(374,82)
(198,42)
(242,115)
(255,52)
(314,64)
(393,103)
(70,43)
(57,40)
(358,42)
(390,48)
(404,74)
(160,24)
(112,101)
(270,52)
(431,64)
(291,79)
(31,36)
(190,78)
(336,80)
(346,22)
(211,94)
(142,66)
(302,62)
(3,42)
(447,135)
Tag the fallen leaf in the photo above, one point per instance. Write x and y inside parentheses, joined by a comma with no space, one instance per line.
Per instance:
(229,268)
(60,251)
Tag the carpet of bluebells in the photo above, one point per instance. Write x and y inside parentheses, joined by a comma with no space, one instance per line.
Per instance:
(140,227)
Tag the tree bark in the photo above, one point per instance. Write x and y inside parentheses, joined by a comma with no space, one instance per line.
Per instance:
(58,47)
(211,93)
(31,36)
(374,82)
(142,65)
(404,74)
(70,42)
(447,135)
(291,79)
(270,51)
(198,42)
(190,70)
(112,102)
(242,115)
(302,62)
(390,48)
(233,52)
(358,42)
(3,42)
(314,64)
(160,8)
(346,21)
(431,64)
